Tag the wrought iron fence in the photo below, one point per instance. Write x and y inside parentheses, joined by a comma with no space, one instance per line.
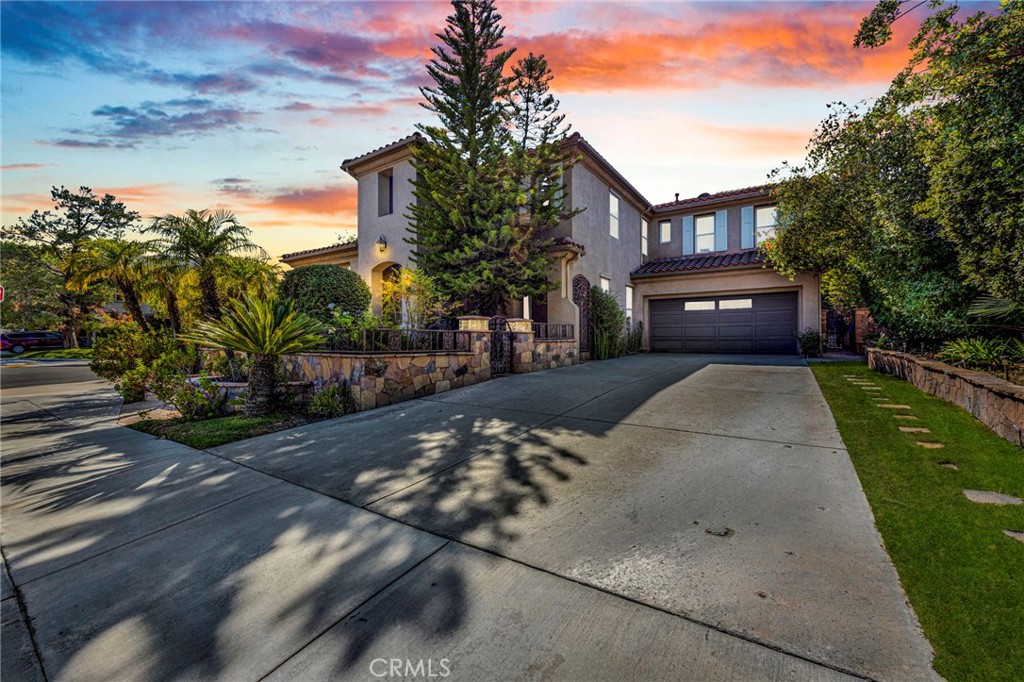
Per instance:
(383,341)
(542,331)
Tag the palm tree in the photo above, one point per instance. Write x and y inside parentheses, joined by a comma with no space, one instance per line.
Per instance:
(242,276)
(204,240)
(119,261)
(162,278)
(263,328)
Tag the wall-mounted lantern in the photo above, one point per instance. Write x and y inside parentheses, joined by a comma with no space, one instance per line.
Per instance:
(382,243)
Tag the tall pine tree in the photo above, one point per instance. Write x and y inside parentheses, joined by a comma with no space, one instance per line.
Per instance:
(476,220)
(538,164)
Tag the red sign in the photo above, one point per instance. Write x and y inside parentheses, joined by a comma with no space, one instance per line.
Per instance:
(1,294)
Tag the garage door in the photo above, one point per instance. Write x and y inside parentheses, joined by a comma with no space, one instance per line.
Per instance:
(764,323)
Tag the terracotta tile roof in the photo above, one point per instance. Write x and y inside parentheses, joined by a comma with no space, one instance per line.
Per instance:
(704,261)
(323,249)
(397,144)
(706,198)
(568,243)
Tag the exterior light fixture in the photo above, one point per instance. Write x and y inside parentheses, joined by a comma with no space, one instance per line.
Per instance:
(382,243)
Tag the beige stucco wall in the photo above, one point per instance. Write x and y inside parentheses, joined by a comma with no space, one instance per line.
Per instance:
(393,226)
(722,282)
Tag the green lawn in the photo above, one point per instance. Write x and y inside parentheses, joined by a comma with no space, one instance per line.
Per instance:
(68,353)
(210,433)
(965,579)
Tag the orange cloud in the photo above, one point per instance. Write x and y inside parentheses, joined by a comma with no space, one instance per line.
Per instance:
(328,200)
(22,166)
(778,44)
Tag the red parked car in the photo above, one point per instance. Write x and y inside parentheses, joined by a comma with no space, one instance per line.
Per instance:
(19,342)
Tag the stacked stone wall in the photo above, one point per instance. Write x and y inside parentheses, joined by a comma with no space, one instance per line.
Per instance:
(997,403)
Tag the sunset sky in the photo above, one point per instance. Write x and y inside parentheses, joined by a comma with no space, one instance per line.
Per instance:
(253,106)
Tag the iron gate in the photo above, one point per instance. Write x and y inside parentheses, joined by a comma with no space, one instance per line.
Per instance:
(839,330)
(501,345)
(581,297)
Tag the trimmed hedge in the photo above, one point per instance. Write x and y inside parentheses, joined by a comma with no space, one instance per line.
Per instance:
(314,288)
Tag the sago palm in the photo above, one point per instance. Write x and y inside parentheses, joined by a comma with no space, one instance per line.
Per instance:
(119,261)
(265,329)
(204,240)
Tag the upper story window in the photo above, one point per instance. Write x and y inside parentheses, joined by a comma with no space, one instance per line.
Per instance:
(704,234)
(613,213)
(765,223)
(386,192)
(665,231)
(643,237)
(606,285)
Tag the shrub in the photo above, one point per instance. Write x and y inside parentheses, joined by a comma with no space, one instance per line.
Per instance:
(320,290)
(607,324)
(982,353)
(199,399)
(333,400)
(811,343)
(124,353)
(167,372)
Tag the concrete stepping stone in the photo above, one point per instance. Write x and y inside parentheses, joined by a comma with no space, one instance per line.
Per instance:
(905,416)
(1015,534)
(990,497)
(891,406)
(914,429)
(949,465)
(930,445)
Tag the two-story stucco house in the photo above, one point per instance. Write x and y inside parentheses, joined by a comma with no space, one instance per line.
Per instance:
(687,270)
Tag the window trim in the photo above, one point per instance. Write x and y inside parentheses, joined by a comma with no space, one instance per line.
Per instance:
(697,234)
(774,226)
(613,216)
(388,173)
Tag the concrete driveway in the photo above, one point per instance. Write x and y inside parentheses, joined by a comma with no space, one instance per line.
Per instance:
(653,517)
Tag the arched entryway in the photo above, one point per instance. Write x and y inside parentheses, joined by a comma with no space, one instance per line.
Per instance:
(388,272)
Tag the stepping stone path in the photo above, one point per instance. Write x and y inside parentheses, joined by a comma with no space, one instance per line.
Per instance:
(949,465)
(990,497)
(1015,534)
(884,403)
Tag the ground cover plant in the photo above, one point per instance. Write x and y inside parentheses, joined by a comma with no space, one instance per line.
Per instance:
(209,433)
(963,576)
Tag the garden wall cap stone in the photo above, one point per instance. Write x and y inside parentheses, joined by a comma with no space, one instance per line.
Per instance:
(993,383)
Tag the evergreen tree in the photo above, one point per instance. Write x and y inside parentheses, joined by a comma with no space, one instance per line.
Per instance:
(463,218)
(61,235)
(538,164)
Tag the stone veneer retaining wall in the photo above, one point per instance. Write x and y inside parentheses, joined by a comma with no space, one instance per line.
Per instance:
(995,402)
(378,380)
(534,356)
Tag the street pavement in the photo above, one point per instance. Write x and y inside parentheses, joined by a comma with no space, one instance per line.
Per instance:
(653,517)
